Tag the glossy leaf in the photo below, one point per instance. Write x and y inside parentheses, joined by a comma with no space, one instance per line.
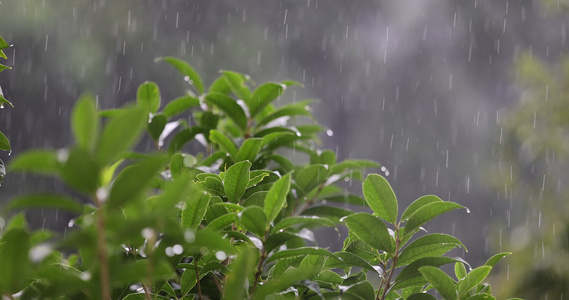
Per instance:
(459,270)
(441,281)
(43,201)
(349,260)
(148,96)
(249,149)
(156,126)
(4,143)
(253,218)
(184,136)
(302,220)
(133,180)
(472,279)
(370,230)
(263,96)
(180,105)
(363,289)
(492,261)
(39,162)
(285,111)
(257,177)
(15,263)
(311,176)
(121,133)
(435,244)
(221,222)
(325,211)
(427,213)
(300,252)
(380,197)
(236,82)
(195,210)
(224,143)
(276,197)
(85,122)
(410,275)
(185,69)
(236,181)
(420,202)
(230,107)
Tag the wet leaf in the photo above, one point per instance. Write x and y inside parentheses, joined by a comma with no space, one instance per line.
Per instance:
(427,213)
(302,220)
(43,201)
(276,197)
(236,180)
(224,143)
(4,142)
(236,82)
(195,210)
(435,244)
(134,179)
(185,69)
(230,107)
(121,133)
(180,105)
(285,111)
(311,176)
(148,96)
(441,281)
(253,218)
(249,149)
(380,197)
(492,261)
(371,230)
(85,122)
(472,279)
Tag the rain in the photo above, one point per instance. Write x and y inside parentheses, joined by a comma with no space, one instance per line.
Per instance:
(459,99)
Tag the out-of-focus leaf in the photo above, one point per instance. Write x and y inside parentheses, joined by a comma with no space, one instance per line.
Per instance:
(43,201)
(38,161)
(285,164)
(184,136)
(148,96)
(224,143)
(134,179)
(361,225)
(257,199)
(185,69)
(14,261)
(85,123)
(241,269)
(81,172)
(121,133)
(421,296)
(179,105)
(300,252)
(230,107)
(380,197)
(263,96)
(254,220)
(486,297)
(136,271)
(194,211)
(435,244)
(427,213)
(249,149)
(236,180)
(441,281)
(276,197)
(156,126)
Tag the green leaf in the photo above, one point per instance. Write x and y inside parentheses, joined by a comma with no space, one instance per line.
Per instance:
(43,201)
(410,275)
(380,197)
(430,245)
(132,181)
(81,172)
(362,289)
(230,107)
(236,82)
(2,99)
(264,95)
(156,126)
(302,220)
(492,261)
(4,143)
(249,149)
(276,197)
(349,260)
(184,136)
(241,270)
(471,280)
(236,181)
(219,85)
(329,212)
(421,296)
(121,133)
(441,281)
(3,45)
(224,143)
(459,270)
(284,163)
(427,213)
(194,211)
(179,105)
(371,230)
(486,297)
(254,220)
(311,176)
(38,161)
(303,251)
(185,69)
(213,186)
(221,222)
(15,263)
(285,111)
(256,177)
(148,96)
(422,201)
(85,123)
(257,199)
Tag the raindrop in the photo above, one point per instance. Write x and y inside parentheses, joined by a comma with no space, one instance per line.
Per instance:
(329,132)
(467,210)
(39,252)
(220,255)
(71,223)
(147,233)
(189,236)
(62,155)
(85,276)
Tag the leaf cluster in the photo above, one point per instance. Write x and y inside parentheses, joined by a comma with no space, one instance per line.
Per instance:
(234,222)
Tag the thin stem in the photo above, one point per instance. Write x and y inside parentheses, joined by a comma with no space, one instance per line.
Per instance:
(260,264)
(150,266)
(392,267)
(200,296)
(102,254)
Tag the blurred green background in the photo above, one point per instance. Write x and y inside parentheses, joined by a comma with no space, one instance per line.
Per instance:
(467,100)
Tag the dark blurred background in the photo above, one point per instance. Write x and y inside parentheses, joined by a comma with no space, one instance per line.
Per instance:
(435,90)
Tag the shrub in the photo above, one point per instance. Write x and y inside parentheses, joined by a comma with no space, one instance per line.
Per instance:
(233,222)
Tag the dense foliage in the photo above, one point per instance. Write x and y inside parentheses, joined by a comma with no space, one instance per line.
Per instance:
(233,222)
(4,142)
